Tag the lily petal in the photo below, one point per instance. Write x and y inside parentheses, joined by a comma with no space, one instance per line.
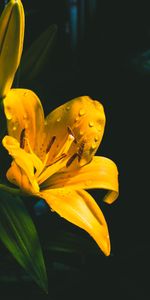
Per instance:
(79,208)
(85,119)
(100,173)
(17,176)
(24,111)
(23,159)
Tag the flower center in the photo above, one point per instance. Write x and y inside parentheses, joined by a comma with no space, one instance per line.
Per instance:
(59,162)
(63,159)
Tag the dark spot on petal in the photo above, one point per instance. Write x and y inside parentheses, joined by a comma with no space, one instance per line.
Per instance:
(50,144)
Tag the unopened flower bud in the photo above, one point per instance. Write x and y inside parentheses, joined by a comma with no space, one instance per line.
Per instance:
(11,43)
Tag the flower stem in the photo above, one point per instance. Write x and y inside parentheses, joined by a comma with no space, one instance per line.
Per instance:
(11,190)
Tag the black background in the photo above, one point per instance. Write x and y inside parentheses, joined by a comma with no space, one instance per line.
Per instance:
(102,68)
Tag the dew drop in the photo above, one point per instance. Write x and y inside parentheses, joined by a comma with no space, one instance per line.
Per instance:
(68,108)
(24,117)
(91,124)
(81,112)
(14,128)
(76,119)
(99,127)
(8,113)
(45,123)
(81,133)
(93,146)
(58,119)
(96,139)
(9,116)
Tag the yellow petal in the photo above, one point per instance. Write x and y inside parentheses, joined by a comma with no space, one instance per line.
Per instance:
(17,176)
(60,162)
(23,159)
(79,208)
(11,43)
(100,173)
(24,111)
(84,118)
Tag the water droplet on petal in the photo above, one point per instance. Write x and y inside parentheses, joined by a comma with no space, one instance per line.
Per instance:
(76,119)
(81,132)
(99,127)
(58,119)
(93,146)
(68,108)
(91,124)
(96,139)
(24,117)
(45,122)
(8,113)
(9,116)
(14,128)
(81,112)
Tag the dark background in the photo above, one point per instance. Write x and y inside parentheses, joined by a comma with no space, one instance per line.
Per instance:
(101,66)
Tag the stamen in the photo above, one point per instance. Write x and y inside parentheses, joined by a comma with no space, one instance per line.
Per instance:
(38,165)
(66,146)
(53,168)
(57,159)
(71,133)
(80,152)
(71,159)
(22,138)
(51,142)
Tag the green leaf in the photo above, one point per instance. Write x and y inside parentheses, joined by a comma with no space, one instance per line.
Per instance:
(35,58)
(18,233)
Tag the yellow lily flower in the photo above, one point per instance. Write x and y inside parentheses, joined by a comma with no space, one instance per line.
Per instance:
(53,158)
(11,43)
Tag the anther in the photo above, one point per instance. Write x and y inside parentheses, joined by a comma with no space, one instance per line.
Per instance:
(80,151)
(22,138)
(71,159)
